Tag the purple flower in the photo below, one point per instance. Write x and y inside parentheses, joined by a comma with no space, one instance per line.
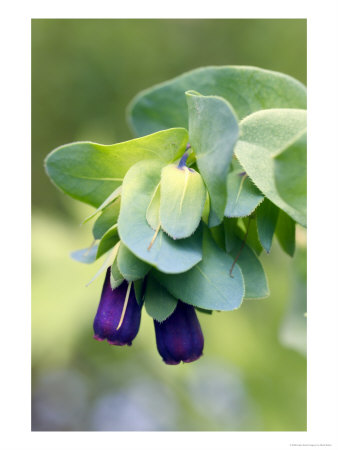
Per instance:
(179,338)
(109,314)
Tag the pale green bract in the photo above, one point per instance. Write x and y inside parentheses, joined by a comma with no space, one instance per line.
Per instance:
(182,201)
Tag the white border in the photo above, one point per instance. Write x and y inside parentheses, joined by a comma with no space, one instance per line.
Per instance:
(322,233)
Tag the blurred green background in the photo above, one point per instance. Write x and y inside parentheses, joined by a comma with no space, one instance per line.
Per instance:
(253,372)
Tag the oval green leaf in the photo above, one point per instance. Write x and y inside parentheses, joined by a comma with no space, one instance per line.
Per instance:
(248,89)
(264,134)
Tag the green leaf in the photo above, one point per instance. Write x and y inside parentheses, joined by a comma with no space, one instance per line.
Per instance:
(153,210)
(213,132)
(242,195)
(130,267)
(107,219)
(159,303)
(264,134)
(248,89)
(286,233)
(267,215)
(230,226)
(113,196)
(290,175)
(85,255)
(182,201)
(166,254)
(110,258)
(208,285)
(255,281)
(91,172)
(116,278)
(138,289)
(109,239)
(251,236)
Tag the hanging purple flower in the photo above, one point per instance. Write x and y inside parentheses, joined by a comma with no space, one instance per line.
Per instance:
(179,338)
(111,311)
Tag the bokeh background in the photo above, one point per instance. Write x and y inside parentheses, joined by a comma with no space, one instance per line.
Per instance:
(252,376)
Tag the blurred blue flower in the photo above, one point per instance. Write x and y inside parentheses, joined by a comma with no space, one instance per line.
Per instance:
(179,338)
(109,314)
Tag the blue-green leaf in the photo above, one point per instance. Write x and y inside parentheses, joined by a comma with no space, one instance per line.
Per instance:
(208,285)
(91,172)
(248,89)
(263,135)
(109,239)
(267,215)
(85,255)
(107,219)
(131,267)
(290,175)
(159,303)
(213,132)
(286,233)
(255,281)
(166,254)
(243,197)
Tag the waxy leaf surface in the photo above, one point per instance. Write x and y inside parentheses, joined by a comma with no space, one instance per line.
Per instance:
(159,303)
(182,201)
(243,197)
(166,254)
(213,132)
(248,89)
(130,267)
(267,215)
(263,135)
(208,285)
(91,172)
(290,175)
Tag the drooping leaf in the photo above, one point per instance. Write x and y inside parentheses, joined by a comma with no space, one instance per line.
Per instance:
(116,278)
(166,254)
(230,226)
(113,196)
(138,289)
(255,281)
(109,260)
(286,233)
(91,172)
(182,201)
(85,255)
(249,233)
(153,210)
(213,132)
(248,89)
(243,197)
(159,303)
(130,267)
(263,134)
(290,175)
(109,239)
(208,285)
(107,219)
(267,215)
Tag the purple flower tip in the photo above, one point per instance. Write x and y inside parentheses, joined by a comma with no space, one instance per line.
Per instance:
(109,314)
(179,338)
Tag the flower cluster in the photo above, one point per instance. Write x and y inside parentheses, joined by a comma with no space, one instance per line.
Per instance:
(178,338)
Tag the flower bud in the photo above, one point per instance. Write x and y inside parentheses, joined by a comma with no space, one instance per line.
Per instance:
(179,338)
(109,314)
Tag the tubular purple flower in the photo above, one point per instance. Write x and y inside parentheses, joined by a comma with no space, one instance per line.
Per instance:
(179,338)
(110,310)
